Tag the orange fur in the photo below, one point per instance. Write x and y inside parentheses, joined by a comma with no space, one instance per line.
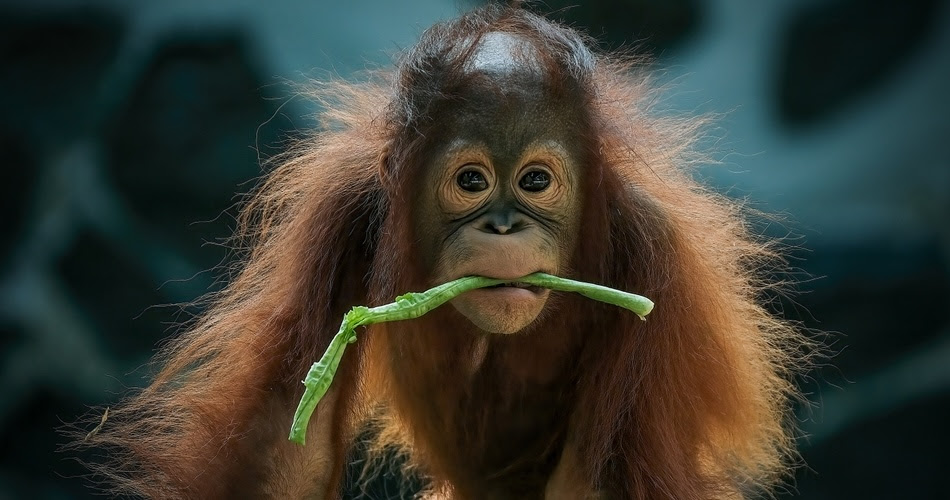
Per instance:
(690,404)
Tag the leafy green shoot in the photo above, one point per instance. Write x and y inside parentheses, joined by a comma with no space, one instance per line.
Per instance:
(413,305)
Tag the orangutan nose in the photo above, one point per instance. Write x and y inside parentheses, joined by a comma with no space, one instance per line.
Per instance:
(501,222)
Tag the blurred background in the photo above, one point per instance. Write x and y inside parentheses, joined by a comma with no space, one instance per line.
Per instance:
(127,128)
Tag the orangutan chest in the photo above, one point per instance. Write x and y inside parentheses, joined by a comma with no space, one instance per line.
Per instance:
(516,441)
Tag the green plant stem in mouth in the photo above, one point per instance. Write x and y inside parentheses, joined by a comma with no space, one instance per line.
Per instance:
(413,305)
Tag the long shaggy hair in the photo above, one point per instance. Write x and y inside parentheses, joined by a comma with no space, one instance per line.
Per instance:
(692,403)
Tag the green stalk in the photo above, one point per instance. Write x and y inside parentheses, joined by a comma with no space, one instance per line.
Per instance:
(414,305)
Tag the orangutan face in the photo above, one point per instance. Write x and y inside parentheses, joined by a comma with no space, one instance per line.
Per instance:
(499,195)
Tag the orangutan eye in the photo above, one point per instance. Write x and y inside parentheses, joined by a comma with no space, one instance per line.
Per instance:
(472,181)
(534,181)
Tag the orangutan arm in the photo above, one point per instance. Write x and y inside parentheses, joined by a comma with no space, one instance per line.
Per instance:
(314,470)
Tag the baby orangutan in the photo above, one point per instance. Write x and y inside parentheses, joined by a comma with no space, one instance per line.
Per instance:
(501,145)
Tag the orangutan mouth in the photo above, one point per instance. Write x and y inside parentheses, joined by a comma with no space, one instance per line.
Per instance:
(518,284)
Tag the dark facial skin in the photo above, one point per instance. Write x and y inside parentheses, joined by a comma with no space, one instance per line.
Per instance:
(499,195)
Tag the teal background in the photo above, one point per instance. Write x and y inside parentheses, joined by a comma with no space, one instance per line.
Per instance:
(128,128)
